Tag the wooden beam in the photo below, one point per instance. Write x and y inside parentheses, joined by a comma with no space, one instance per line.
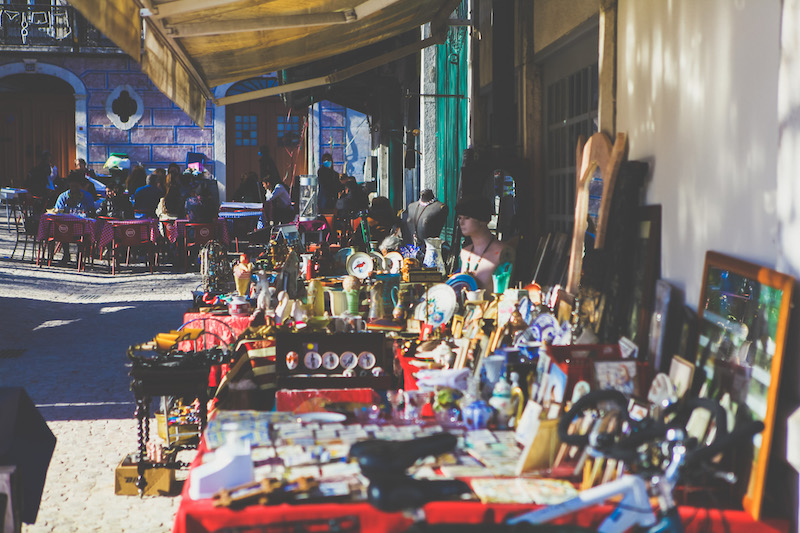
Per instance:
(280,22)
(333,77)
(197,29)
(179,7)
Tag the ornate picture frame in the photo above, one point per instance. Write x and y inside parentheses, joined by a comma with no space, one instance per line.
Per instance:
(743,319)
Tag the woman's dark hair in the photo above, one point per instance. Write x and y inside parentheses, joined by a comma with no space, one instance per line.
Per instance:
(326,157)
(137,179)
(173,200)
(173,168)
(381,210)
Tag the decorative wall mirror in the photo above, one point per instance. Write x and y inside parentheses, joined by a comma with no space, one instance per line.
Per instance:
(597,169)
(744,313)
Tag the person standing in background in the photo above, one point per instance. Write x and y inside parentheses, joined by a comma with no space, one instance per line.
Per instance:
(329,186)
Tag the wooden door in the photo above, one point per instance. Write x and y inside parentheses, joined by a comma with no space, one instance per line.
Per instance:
(31,123)
(263,122)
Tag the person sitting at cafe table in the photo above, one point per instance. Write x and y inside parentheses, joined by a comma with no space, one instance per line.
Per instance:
(145,199)
(116,205)
(481,258)
(277,202)
(173,205)
(74,200)
(201,208)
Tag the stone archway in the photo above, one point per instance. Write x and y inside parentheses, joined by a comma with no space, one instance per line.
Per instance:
(81,115)
(35,121)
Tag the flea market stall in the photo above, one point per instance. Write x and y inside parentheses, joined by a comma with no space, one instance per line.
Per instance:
(352,389)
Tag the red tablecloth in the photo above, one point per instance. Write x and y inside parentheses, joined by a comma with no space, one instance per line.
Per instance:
(177,228)
(104,229)
(225,327)
(200,516)
(290,400)
(48,223)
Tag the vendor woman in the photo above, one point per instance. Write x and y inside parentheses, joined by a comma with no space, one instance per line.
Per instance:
(482,257)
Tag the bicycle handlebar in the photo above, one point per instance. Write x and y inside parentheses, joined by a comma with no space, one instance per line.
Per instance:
(624,447)
(740,434)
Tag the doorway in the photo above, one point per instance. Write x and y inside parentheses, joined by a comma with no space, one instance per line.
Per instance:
(37,113)
(264,122)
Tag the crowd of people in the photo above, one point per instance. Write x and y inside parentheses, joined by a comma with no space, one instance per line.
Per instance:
(165,194)
(170,194)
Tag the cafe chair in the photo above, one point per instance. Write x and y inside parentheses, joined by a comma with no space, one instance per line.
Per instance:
(195,236)
(26,225)
(241,229)
(131,236)
(64,234)
(167,240)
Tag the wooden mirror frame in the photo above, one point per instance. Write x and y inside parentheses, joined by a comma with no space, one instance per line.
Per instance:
(785,284)
(596,154)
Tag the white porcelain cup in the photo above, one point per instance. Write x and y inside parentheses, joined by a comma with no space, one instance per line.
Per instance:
(474,296)
(338,302)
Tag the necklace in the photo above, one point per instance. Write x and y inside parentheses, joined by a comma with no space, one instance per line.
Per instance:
(480,258)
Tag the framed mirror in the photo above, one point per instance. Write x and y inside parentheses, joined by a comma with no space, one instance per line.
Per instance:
(744,313)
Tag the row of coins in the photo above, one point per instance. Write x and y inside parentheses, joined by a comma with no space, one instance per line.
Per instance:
(331,360)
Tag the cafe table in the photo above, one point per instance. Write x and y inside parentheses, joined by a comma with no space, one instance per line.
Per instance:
(49,222)
(176,229)
(10,197)
(104,229)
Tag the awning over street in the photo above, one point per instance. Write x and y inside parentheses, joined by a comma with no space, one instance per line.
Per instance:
(191,46)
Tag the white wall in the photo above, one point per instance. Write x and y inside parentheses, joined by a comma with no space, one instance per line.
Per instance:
(697,86)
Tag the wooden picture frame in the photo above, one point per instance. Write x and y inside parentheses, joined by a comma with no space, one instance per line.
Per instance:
(681,374)
(743,316)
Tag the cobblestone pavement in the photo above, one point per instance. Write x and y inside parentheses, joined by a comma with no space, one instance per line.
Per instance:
(63,337)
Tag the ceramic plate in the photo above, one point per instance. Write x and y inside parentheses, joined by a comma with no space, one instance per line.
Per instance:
(438,306)
(393,260)
(545,327)
(321,418)
(460,282)
(348,360)
(360,265)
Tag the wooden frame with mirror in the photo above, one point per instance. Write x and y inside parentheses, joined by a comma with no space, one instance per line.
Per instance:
(744,314)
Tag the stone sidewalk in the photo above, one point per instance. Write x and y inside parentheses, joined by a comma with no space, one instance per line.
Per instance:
(63,337)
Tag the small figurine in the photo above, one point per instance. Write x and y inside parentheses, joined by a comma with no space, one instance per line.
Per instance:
(242,273)
(263,292)
(501,401)
(299,312)
(352,286)
(283,308)
(376,310)
(315,298)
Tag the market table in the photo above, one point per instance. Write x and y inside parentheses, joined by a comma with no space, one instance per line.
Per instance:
(201,516)
(224,328)
(240,206)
